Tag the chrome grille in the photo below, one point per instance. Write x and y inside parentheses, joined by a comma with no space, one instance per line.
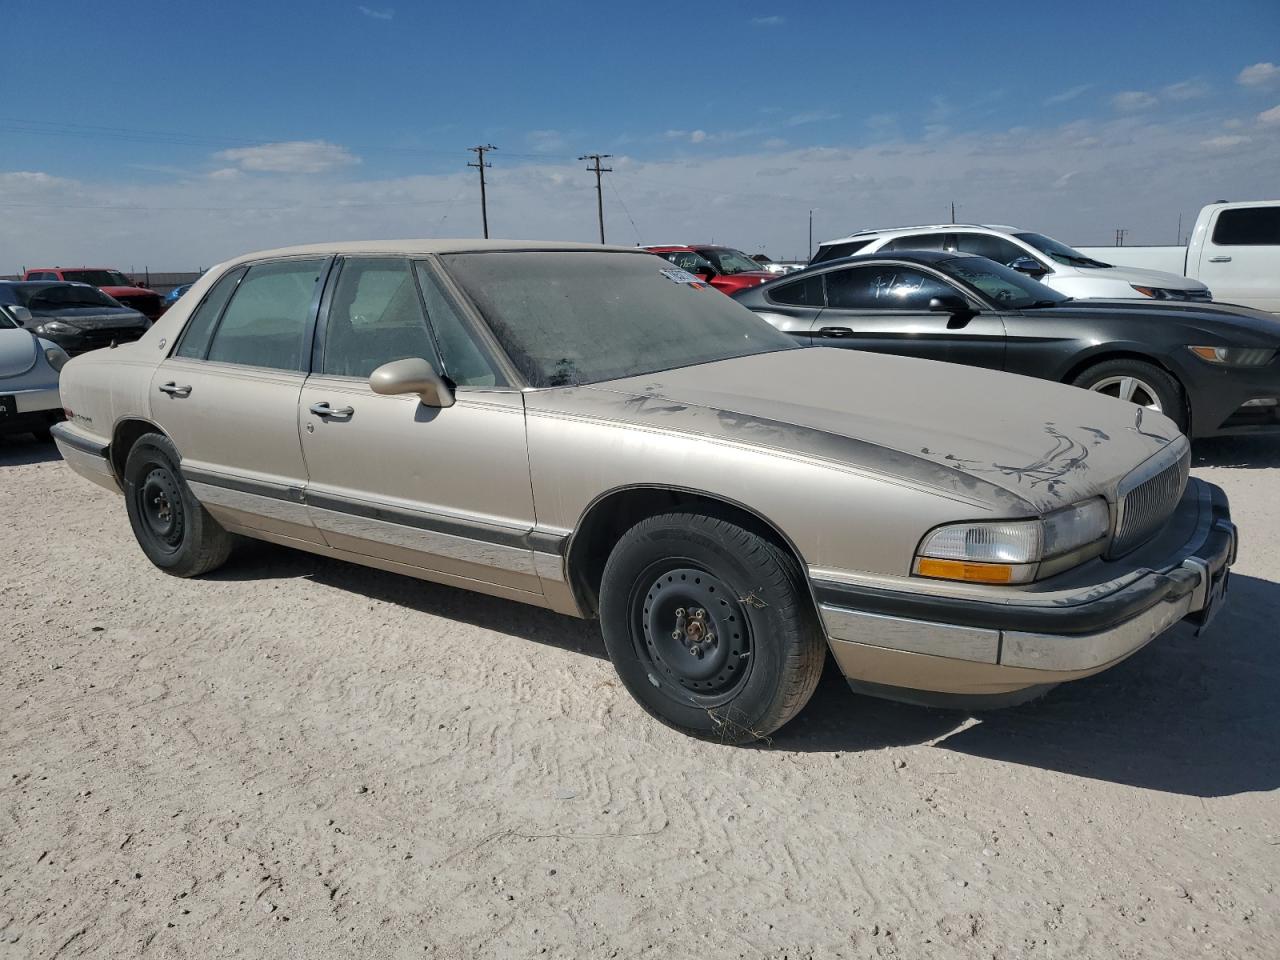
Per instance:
(1146,506)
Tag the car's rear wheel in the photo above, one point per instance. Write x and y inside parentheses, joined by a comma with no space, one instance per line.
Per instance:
(174,530)
(710,626)
(1140,383)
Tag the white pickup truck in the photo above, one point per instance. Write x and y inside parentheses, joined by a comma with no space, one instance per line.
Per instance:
(1234,251)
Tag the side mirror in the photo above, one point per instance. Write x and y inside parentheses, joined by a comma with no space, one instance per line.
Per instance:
(412,375)
(1029,265)
(22,315)
(949,303)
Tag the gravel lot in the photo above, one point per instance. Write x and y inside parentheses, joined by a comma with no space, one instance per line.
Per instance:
(299,758)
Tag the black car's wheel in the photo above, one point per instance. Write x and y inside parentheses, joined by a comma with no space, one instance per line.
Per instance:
(174,530)
(710,626)
(1138,382)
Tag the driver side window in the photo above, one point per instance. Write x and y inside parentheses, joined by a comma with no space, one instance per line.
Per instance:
(375,317)
(887,287)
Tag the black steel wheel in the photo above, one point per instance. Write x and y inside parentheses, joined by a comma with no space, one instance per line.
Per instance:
(173,528)
(710,626)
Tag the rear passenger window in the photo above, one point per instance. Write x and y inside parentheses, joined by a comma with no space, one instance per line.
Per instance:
(195,339)
(919,241)
(798,293)
(265,325)
(834,251)
(1248,227)
(375,318)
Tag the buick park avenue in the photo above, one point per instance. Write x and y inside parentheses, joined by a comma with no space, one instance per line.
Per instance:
(595,431)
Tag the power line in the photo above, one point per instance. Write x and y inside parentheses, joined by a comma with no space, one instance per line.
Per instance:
(480,165)
(613,184)
(595,158)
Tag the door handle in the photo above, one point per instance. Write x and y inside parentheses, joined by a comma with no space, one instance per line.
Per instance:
(1219,259)
(835,332)
(324,410)
(173,390)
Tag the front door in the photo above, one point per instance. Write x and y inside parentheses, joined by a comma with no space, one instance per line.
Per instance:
(441,490)
(884,308)
(227,396)
(1239,257)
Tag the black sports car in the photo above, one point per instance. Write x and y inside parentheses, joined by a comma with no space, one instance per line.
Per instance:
(1211,367)
(75,316)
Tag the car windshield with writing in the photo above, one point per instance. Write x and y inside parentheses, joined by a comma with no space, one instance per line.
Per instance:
(999,283)
(728,261)
(584,317)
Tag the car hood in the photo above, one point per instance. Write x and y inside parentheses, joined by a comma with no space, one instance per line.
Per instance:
(17,353)
(91,318)
(118,292)
(1016,444)
(1144,278)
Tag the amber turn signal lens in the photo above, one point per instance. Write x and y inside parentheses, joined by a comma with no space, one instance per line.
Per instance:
(968,572)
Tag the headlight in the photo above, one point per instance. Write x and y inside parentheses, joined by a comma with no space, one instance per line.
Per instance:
(1010,551)
(57,357)
(1165,293)
(1235,356)
(56,327)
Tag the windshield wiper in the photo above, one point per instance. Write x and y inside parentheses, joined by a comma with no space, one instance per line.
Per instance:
(1048,303)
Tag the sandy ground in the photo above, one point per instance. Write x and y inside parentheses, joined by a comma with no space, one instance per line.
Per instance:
(301,758)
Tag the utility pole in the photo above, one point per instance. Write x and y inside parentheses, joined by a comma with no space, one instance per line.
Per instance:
(595,168)
(810,257)
(480,165)
(1120,232)
(953,211)
(1179,240)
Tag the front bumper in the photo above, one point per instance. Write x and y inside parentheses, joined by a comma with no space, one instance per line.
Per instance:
(917,640)
(1218,395)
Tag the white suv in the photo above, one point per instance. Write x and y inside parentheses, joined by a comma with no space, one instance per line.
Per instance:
(1052,263)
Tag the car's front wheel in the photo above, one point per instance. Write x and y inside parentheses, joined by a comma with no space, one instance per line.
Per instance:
(173,528)
(710,626)
(1137,381)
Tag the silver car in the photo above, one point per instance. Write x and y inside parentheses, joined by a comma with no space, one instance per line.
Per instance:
(29,367)
(594,431)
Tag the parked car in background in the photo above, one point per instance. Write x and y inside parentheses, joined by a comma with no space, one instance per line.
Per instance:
(29,367)
(777,266)
(75,316)
(111,282)
(173,295)
(1234,249)
(586,429)
(726,269)
(1212,368)
(1052,263)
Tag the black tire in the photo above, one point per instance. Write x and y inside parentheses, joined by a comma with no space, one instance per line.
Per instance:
(174,530)
(1163,387)
(760,651)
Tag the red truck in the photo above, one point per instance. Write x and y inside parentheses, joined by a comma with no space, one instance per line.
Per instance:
(111,282)
(726,269)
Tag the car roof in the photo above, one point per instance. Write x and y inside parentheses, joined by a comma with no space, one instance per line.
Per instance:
(112,269)
(872,232)
(695,247)
(47,283)
(907,256)
(423,247)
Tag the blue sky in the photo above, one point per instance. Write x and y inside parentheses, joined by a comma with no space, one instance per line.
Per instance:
(280,122)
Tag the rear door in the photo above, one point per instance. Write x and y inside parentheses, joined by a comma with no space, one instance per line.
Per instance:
(443,490)
(1240,257)
(228,395)
(885,308)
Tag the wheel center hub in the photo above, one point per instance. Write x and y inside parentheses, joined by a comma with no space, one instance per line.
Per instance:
(695,631)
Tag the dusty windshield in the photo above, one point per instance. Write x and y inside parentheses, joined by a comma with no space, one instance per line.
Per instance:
(999,283)
(99,278)
(729,261)
(1059,252)
(573,317)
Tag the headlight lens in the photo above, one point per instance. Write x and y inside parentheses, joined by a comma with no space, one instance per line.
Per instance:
(1010,551)
(1235,356)
(1165,293)
(56,327)
(57,357)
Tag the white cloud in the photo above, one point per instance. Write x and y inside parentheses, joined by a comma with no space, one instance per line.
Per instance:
(811,116)
(1225,142)
(768,21)
(1259,75)
(697,136)
(545,141)
(774,143)
(1131,101)
(291,156)
(226,173)
(376,14)
(1068,95)
(1186,90)
(1270,117)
